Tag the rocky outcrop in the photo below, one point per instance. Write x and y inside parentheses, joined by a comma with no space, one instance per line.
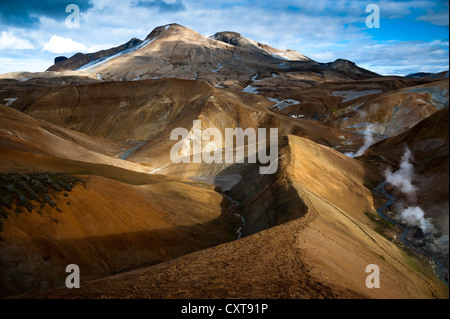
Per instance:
(81,59)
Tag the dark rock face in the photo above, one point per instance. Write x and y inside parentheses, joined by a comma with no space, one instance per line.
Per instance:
(232,38)
(60,59)
(350,69)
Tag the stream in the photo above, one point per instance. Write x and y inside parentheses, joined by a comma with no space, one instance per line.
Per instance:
(439,267)
(131,150)
(233,207)
(225,183)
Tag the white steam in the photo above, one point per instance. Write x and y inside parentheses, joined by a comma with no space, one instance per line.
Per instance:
(403,178)
(408,213)
(368,142)
(415,216)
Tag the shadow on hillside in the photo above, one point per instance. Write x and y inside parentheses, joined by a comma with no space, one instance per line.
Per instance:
(45,259)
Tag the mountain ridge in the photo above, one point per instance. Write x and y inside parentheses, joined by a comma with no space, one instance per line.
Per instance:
(200,57)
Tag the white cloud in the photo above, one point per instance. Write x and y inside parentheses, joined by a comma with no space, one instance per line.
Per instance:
(59,45)
(20,65)
(323,56)
(322,29)
(10,42)
(440,18)
(396,57)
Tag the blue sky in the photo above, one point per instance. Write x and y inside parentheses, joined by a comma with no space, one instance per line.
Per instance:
(413,35)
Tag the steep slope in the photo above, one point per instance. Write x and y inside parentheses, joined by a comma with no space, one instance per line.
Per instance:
(20,132)
(114,219)
(321,254)
(391,113)
(105,227)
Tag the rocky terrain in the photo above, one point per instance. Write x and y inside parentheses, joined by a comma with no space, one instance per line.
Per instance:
(86,175)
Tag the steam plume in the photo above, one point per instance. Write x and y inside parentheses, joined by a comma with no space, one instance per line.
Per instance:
(403,179)
(368,141)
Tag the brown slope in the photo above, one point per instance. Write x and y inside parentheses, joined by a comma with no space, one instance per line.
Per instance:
(106,227)
(21,132)
(174,51)
(27,80)
(144,110)
(322,254)
(238,40)
(105,224)
(393,112)
(332,101)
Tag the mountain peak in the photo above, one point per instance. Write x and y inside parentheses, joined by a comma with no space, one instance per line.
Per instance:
(172,28)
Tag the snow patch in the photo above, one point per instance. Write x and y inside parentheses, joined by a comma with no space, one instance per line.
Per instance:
(250,89)
(351,95)
(219,67)
(10,101)
(281,105)
(281,56)
(98,62)
(283,65)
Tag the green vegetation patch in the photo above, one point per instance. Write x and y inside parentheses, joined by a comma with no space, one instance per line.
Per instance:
(380,223)
(379,220)
(20,190)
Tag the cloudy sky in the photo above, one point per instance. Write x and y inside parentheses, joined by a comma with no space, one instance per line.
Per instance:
(413,35)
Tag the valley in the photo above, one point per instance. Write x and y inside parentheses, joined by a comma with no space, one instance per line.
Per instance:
(141,225)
